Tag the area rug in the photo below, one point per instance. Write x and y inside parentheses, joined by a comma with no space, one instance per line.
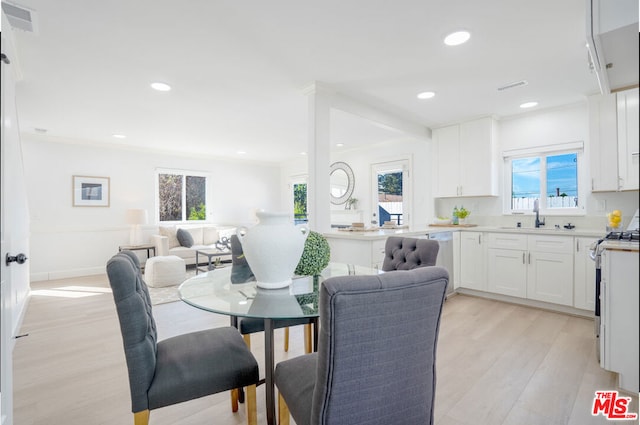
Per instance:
(168,294)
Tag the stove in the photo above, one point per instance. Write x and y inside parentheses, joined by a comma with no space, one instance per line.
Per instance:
(623,239)
(625,236)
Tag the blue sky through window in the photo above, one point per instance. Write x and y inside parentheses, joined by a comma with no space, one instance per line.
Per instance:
(557,175)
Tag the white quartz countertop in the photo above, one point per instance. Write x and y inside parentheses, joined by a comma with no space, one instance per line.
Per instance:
(385,233)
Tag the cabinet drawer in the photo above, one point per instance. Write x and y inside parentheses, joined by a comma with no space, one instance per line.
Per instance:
(507,241)
(555,244)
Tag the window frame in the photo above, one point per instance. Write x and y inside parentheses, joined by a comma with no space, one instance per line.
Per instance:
(403,164)
(543,152)
(185,214)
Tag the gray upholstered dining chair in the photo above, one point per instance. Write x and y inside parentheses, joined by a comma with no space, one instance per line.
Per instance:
(371,367)
(408,253)
(241,273)
(177,369)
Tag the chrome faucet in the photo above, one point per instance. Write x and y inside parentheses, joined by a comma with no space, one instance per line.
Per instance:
(536,209)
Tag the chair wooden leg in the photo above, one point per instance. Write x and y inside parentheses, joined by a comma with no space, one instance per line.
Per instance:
(234,400)
(141,418)
(308,346)
(252,406)
(247,340)
(283,411)
(286,339)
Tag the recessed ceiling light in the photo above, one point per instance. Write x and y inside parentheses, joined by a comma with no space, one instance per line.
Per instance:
(303,153)
(426,95)
(241,152)
(339,145)
(160,86)
(528,105)
(457,38)
(119,136)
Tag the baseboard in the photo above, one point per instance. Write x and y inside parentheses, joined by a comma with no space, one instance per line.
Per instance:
(557,308)
(90,271)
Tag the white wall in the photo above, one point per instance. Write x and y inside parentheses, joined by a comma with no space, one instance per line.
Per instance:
(546,127)
(74,241)
(360,161)
(551,126)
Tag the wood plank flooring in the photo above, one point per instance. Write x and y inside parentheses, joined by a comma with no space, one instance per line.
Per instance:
(497,364)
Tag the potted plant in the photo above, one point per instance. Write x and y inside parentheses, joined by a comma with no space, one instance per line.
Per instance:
(315,256)
(352,204)
(462,215)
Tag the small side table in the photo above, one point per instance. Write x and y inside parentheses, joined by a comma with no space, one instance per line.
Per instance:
(145,247)
(209,253)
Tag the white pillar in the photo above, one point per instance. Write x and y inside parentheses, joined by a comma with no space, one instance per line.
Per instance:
(318,199)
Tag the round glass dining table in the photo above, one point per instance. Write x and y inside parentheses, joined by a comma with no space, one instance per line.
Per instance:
(215,291)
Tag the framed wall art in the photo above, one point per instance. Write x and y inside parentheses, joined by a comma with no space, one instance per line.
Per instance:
(90,191)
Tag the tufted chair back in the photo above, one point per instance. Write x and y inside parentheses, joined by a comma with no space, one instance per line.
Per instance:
(139,335)
(408,253)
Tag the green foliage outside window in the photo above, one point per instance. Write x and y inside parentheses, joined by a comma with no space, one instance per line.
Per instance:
(198,214)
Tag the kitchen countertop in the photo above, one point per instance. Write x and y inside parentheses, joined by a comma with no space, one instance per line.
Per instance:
(384,233)
(621,246)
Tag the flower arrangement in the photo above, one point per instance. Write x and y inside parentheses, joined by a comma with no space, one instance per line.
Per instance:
(315,256)
(462,213)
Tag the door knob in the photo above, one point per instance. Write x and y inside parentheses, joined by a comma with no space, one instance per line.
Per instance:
(20,259)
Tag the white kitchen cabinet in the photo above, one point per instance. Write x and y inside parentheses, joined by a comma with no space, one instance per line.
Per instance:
(465,159)
(472,261)
(613,141)
(584,275)
(536,267)
(619,350)
(628,141)
(603,147)
(506,263)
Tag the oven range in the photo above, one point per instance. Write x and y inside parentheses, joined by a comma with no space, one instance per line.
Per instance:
(616,302)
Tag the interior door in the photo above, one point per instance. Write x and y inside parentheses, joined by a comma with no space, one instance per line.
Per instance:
(14,228)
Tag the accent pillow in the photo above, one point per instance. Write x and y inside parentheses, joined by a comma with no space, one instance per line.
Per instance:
(184,238)
(170,233)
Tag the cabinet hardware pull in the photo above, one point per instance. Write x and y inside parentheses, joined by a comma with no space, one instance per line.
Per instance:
(523,258)
(529,258)
(635,153)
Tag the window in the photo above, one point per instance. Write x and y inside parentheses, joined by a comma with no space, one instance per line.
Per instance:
(391,192)
(551,177)
(182,196)
(300,203)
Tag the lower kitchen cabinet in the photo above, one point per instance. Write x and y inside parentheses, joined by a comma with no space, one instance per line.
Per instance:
(584,275)
(472,261)
(536,267)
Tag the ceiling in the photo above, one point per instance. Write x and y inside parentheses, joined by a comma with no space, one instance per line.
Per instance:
(239,69)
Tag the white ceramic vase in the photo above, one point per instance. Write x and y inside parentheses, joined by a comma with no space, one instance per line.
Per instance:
(273,248)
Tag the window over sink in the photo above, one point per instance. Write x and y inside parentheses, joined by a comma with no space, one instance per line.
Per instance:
(549,174)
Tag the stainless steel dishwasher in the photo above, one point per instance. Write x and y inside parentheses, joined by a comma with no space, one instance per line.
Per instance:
(445,254)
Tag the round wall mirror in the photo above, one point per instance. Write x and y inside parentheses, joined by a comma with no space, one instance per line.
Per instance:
(341,182)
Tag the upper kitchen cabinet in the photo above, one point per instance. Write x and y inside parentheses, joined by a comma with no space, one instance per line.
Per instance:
(614,141)
(465,159)
(628,140)
(612,40)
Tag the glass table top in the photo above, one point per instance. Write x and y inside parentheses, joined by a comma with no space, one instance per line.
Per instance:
(213,291)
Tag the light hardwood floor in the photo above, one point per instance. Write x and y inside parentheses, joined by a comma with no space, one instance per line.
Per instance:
(497,363)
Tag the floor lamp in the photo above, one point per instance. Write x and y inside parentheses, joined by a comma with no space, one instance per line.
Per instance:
(136,217)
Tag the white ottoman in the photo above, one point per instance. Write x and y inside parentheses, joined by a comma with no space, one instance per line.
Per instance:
(164,271)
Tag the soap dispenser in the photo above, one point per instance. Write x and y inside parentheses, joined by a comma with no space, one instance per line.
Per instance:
(454,217)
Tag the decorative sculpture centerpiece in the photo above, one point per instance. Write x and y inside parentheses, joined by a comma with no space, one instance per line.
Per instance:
(273,248)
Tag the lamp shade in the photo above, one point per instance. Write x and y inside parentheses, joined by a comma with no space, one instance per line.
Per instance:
(137,216)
